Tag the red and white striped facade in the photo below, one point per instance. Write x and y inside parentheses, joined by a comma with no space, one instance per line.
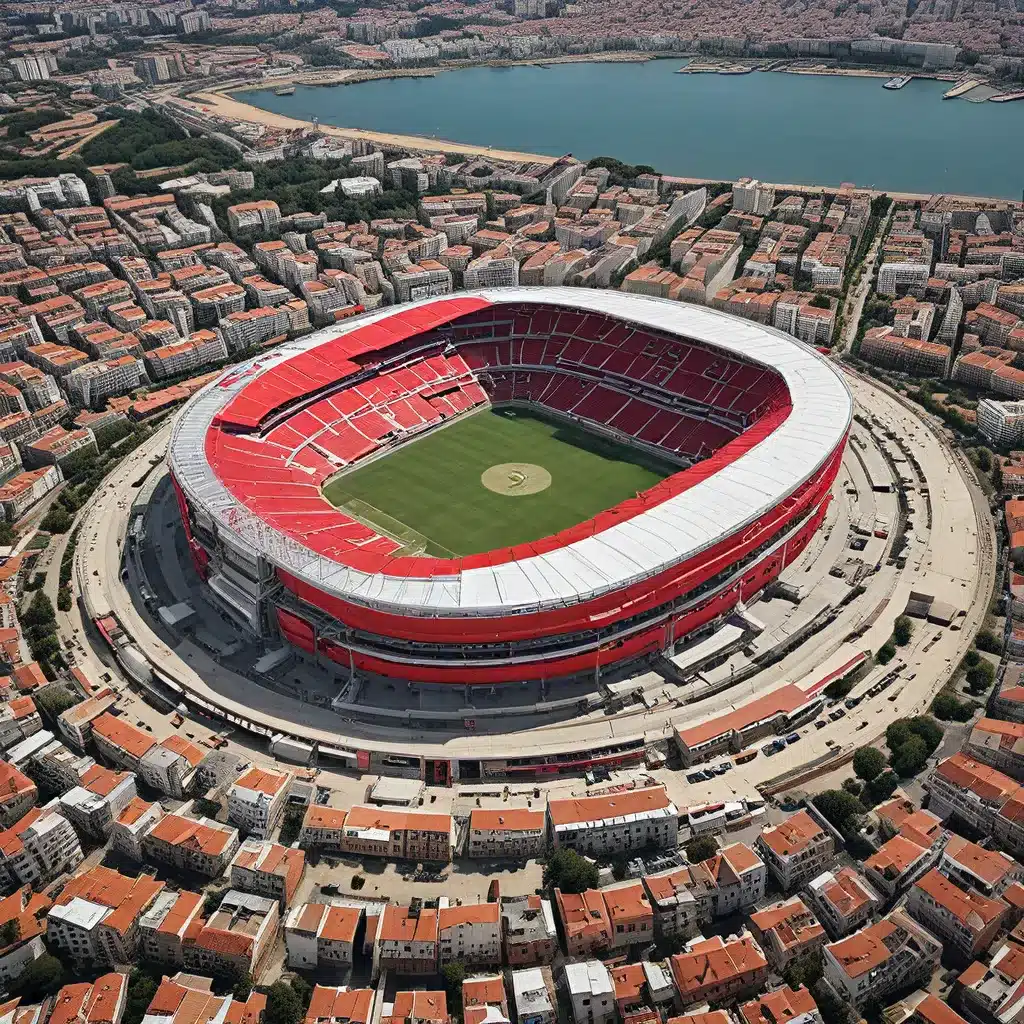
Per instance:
(756,421)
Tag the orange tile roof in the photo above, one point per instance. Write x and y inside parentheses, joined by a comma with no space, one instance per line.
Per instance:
(273,859)
(28,908)
(134,810)
(966,773)
(864,950)
(179,831)
(425,1006)
(336,1004)
(583,913)
(511,819)
(627,903)
(935,1011)
(29,677)
(219,940)
(971,909)
(990,866)
(779,1006)
(123,734)
(340,924)
(13,784)
(741,858)
(484,992)
(791,922)
(398,820)
(397,925)
(598,808)
(260,781)
(324,817)
(181,912)
(793,835)
(126,897)
(102,781)
(847,893)
(714,962)
(470,913)
(711,1017)
(194,1006)
(894,857)
(179,745)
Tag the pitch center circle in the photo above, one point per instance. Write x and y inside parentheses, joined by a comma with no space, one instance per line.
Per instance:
(516,479)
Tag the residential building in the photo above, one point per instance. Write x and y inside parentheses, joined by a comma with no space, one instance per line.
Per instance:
(101,1002)
(843,901)
(421,1006)
(892,954)
(786,931)
(256,801)
(897,864)
(168,765)
(132,825)
(796,850)
(998,744)
(185,999)
(534,994)
(201,349)
(484,1000)
(267,869)
(163,927)
(591,992)
(971,866)
(96,916)
(782,1006)
(321,934)
(883,346)
(407,940)
(57,445)
(92,384)
(18,793)
(38,848)
(398,834)
(585,922)
(23,913)
(323,827)
(634,820)
(470,933)
(1002,423)
(22,491)
(965,920)
(340,1005)
(203,846)
(100,796)
(528,930)
(19,719)
(718,970)
(514,832)
(629,914)
(75,724)
(643,990)
(235,939)
(992,993)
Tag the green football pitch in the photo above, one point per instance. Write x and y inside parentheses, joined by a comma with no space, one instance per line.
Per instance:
(542,475)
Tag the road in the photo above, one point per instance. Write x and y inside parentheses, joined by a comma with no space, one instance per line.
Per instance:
(854,306)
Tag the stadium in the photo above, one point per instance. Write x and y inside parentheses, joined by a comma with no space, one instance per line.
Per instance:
(511,485)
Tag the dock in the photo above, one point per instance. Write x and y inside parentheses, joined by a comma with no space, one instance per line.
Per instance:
(1006,97)
(961,88)
(898,82)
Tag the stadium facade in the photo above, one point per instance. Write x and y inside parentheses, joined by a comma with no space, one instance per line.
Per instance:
(756,421)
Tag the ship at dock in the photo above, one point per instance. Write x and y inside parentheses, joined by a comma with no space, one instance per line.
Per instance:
(898,82)
(285,90)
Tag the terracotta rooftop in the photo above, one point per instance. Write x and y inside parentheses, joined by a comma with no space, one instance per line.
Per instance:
(794,835)
(338,1005)
(617,805)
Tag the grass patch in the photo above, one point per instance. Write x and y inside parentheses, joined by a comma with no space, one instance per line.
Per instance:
(428,494)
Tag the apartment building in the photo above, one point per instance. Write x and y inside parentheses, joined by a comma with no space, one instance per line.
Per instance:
(795,314)
(843,901)
(267,869)
(323,827)
(398,834)
(629,914)
(132,825)
(163,927)
(202,348)
(203,846)
(236,938)
(424,1007)
(91,385)
(796,850)
(21,492)
(257,218)
(57,445)
(966,921)
(256,801)
(585,922)
(470,933)
(639,819)
(185,999)
(99,797)
(992,992)
(95,918)
(19,719)
(513,832)
(884,347)
(783,1004)
(340,1005)
(23,915)
(321,934)
(971,866)
(893,954)
(38,848)
(717,969)
(168,765)
(998,744)
(75,724)
(750,196)
(18,794)
(786,931)
(493,269)
(211,305)
(591,992)
(1002,423)
(528,930)
(253,328)
(897,864)
(407,939)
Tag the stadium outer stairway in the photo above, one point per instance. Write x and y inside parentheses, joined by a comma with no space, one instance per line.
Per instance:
(954,560)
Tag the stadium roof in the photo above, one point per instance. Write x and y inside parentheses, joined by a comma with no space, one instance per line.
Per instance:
(727,497)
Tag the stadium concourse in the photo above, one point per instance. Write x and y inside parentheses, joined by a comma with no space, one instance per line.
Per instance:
(840,597)
(747,425)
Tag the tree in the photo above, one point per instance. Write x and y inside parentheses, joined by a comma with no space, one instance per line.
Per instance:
(804,970)
(242,986)
(701,848)
(902,630)
(988,642)
(142,987)
(40,611)
(832,1009)
(970,659)
(41,978)
(567,871)
(881,787)
(821,301)
(56,520)
(980,677)
(886,653)
(910,758)
(868,762)
(283,1005)
(303,990)
(453,974)
(840,808)
(212,900)
(949,708)
(10,933)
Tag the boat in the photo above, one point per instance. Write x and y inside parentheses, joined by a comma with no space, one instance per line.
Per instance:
(960,88)
(286,90)
(898,82)
(1006,97)
(736,69)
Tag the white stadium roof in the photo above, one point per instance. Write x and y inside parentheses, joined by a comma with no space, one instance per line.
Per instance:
(625,553)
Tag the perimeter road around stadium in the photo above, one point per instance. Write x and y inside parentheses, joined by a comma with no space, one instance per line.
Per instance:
(954,560)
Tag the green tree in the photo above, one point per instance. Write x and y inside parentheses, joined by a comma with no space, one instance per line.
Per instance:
(988,642)
(64,601)
(568,871)
(821,301)
(142,987)
(902,630)
(39,612)
(886,653)
(701,848)
(868,762)
(853,786)
(832,1009)
(56,520)
(881,787)
(212,900)
(41,978)
(303,990)
(949,708)
(283,1004)
(453,974)
(840,808)
(10,933)
(805,970)
(242,986)
(908,759)
(981,677)
(970,659)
